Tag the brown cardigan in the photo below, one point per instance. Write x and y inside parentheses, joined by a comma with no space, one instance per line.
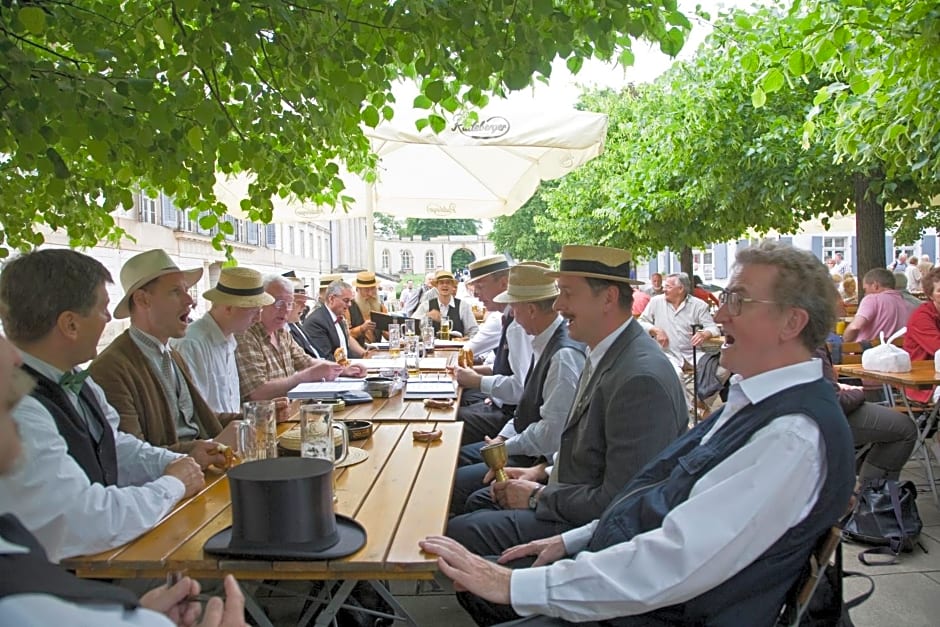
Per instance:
(134,391)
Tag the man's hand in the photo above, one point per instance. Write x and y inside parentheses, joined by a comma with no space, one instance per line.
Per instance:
(171,601)
(535,474)
(321,370)
(513,494)
(488,440)
(434,315)
(467,377)
(547,550)
(700,336)
(230,613)
(355,370)
(186,470)
(660,336)
(207,453)
(468,571)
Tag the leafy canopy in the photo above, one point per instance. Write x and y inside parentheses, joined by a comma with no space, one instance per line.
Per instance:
(100,97)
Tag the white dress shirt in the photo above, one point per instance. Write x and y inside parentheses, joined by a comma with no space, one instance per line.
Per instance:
(487,338)
(733,514)
(677,323)
(211,360)
(507,388)
(561,383)
(53,497)
(465,313)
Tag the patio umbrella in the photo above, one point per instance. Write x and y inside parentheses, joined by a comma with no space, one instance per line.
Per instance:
(472,169)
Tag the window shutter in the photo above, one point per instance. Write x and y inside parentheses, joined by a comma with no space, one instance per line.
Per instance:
(721,261)
(270,238)
(816,246)
(169,214)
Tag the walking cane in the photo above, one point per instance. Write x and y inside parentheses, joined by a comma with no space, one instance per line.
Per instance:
(695,327)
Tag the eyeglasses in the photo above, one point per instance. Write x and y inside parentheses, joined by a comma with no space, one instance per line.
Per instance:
(734,301)
(283,304)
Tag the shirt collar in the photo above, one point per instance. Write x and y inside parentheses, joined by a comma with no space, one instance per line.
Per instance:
(214,331)
(11,548)
(47,370)
(597,353)
(766,384)
(540,341)
(148,343)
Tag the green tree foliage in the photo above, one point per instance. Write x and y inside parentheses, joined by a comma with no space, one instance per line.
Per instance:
(524,234)
(705,155)
(99,97)
(433,227)
(387,226)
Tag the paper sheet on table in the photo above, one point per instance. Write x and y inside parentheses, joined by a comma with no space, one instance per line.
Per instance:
(415,389)
(324,388)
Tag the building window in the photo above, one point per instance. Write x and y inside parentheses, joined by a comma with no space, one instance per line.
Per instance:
(833,245)
(429,263)
(406,261)
(386,259)
(703,263)
(270,236)
(253,229)
(313,250)
(170,214)
(290,240)
(147,209)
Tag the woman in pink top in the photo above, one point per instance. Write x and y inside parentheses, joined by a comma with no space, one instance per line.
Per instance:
(922,340)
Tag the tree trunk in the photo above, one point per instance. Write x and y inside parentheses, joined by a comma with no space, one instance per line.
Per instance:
(869,227)
(685,261)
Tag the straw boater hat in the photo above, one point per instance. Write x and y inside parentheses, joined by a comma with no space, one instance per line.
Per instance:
(528,284)
(326,279)
(145,267)
(365,279)
(443,275)
(239,287)
(487,266)
(595,262)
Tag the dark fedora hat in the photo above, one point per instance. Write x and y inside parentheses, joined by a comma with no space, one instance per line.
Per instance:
(283,509)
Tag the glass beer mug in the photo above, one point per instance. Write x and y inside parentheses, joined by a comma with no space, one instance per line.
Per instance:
(319,436)
(260,415)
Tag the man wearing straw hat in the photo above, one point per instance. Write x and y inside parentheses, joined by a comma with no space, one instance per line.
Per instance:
(146,380)
(358,316)
(629,406)
(445,304)
(550,382)
(489,276)
(82,486)
(324,281)
(209,344)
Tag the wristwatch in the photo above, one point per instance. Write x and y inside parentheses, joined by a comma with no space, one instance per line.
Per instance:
(534,497)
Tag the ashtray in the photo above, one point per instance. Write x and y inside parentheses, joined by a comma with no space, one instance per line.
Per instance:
(358,429)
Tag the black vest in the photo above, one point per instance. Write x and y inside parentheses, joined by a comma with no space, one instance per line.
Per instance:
(532,395)
(501,363)
(755,594)
(456,324)
(97,459)
(32,573)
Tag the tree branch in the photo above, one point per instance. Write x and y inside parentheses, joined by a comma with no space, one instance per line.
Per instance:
(213,89)
(78,64)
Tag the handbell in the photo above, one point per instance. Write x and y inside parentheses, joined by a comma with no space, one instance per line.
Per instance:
(496,457)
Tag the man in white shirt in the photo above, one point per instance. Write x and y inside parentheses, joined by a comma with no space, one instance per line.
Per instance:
(209,344)
(712,534)
(35,592)
(445,305)
(488,277)
(655,288)
(81,486)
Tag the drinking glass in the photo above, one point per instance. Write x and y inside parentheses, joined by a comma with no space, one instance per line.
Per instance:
(409,326)
(445,328)
(261,416)
(412,360)
(427,336)
(246,442)
(320,437)
(394,341)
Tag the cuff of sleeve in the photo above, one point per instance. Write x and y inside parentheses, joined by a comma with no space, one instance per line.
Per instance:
(486,385)
(173,486)
(528,591)
(576,540)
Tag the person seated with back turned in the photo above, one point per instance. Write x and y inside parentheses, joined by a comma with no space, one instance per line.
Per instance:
(209,344)
(719,526)
(146,380)
(327,328)
(550,383)
(270,362)
(629,406)
(444,304)
(81,485)
(34,591)
(882,309)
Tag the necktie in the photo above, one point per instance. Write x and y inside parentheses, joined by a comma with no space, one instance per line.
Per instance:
(585,379)
(73,381)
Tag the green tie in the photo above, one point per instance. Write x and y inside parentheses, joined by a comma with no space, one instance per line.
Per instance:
(73,381)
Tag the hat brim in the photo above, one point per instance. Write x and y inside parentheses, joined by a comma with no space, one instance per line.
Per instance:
(507,298)
(483,276)
(358,284)
(593,275)
(123,311)
(352,537)
(221,298)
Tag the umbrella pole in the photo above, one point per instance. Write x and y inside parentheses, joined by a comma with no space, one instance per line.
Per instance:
(370,226)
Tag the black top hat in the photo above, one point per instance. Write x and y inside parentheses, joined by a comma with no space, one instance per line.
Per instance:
(283,509)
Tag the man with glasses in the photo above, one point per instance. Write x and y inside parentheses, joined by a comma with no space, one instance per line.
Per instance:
(326,327)
(269,360)
(718,526)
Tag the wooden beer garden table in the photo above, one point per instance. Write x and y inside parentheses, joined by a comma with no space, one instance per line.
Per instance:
(922,376)
(400,494)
